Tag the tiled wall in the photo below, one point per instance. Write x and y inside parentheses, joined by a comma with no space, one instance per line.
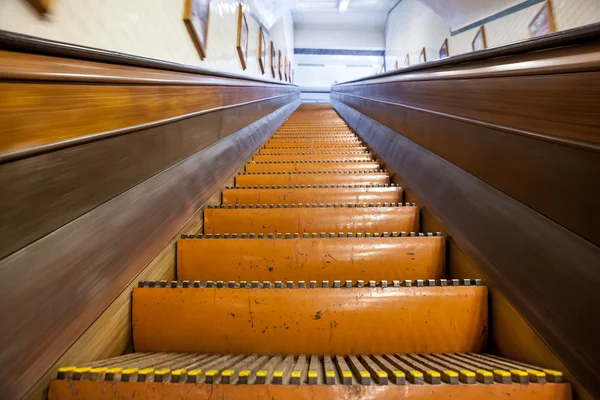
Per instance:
(412,26)
(148,28)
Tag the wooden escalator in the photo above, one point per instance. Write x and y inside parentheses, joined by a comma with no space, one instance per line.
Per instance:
(312,279)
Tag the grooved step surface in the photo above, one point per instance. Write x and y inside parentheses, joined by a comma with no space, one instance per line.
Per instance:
(313,320)
(306,369)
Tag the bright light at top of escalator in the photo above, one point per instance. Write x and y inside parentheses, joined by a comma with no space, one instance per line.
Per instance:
(343,5)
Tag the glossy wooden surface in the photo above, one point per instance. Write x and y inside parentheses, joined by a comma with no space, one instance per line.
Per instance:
(38,329)
(310,321)
(110,335)
(391,258)
(310,195)
(312,220)
(313,178)
(527,257)
(526,124)
(68,111)
(45,192)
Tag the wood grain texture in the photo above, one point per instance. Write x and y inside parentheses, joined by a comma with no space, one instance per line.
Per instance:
(37,114)
(524,167)
(44,192)
(69,277)
(544,105)
(533,261)
(110,335)
(527,123)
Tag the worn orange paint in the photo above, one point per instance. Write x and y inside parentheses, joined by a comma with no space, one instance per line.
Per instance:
(334,150)
(390,258)
(314,166)
(312,195)
(77,390)
(306,155)
(322,134)
(314,142)
(369,178)
(311,220)
(341,321)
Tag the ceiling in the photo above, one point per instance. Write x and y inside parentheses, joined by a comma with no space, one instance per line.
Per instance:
(371,14)
(361,15)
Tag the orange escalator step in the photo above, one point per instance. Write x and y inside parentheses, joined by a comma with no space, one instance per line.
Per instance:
(312,194)
(316,178)
(292,150)
(304,257)
(316,135)
(311,219)
(317,156)
(313,166)
(314,142)
(355,320)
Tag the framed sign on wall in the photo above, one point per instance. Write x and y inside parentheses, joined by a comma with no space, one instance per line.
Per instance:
(195,16)
(242,36)
(272,57)
(444,49)
(479,42)
(543,22)
(279,64)
(262,51)
(422,56)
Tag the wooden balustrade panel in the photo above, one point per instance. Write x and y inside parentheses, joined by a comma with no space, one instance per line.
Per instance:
(535,262)
(96,148)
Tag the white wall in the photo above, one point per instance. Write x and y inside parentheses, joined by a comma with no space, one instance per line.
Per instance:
(339,39)
(335,67)
(148,28)
(413,25)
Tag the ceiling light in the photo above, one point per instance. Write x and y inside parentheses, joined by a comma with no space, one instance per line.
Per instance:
(343,5)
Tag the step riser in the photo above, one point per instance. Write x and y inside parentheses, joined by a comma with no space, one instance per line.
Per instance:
(311,152)
(313,195)
(67,390)
(315,166)
(311,157)
(310,259)
(310,136)
(310,321)
(312,220)
(369,178)
(314,142)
